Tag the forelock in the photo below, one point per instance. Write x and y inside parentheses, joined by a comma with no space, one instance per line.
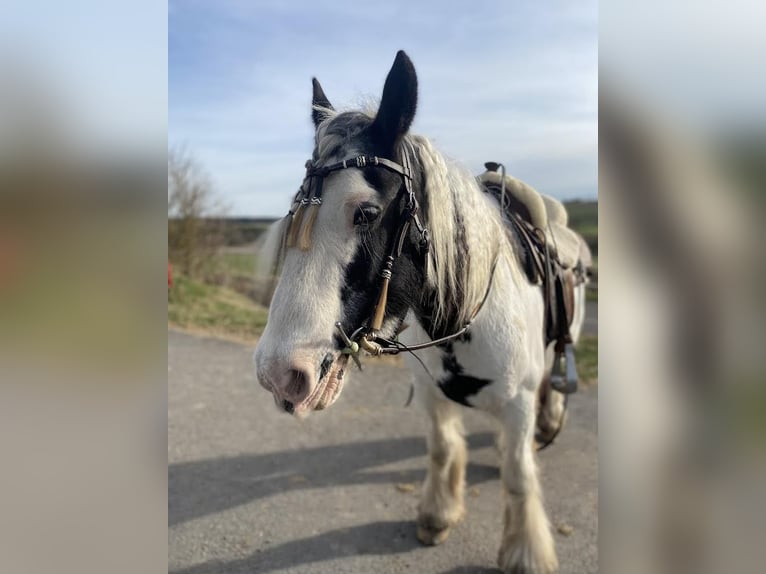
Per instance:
(338,131)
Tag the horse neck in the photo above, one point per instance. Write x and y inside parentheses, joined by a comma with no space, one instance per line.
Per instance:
(467,237)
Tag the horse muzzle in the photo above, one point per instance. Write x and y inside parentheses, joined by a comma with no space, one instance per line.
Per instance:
(298,388)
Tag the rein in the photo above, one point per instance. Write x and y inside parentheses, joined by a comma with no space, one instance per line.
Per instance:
(298,234)
(390,347)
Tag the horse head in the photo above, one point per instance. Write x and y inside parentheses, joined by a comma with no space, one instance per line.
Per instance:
(352,214)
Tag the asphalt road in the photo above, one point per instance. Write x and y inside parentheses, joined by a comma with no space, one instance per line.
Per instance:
(253,490)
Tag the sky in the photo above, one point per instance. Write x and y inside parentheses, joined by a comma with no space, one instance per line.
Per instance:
(508,81)
(94,70)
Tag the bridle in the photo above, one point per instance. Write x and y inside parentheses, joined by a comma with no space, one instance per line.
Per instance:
(298,234)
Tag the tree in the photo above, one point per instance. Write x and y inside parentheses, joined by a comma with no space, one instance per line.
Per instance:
(195,229)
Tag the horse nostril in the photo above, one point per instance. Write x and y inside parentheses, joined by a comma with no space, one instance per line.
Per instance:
(297,385)
(288,406)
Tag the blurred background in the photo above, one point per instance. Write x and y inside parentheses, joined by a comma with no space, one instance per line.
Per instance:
(83,146)
(682,145)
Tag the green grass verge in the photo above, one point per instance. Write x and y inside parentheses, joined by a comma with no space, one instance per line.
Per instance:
(582,214)
(583,218)
(587,358)
(236,263)
(215,310)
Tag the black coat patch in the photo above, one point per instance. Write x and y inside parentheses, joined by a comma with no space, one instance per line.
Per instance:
(362,278)
(458,386)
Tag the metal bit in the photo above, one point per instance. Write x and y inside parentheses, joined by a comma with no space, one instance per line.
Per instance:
(352,348)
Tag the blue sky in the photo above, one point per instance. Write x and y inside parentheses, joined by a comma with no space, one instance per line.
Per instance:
(515,82)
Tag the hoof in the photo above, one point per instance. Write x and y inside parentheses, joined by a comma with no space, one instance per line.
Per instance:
(432,531)
(546,429)
(524,561)
(546,437)
(432,537)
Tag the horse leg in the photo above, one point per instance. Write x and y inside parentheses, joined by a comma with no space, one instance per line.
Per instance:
(527,544)
(441,503)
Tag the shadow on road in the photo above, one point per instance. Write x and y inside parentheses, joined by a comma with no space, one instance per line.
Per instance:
(376,538)
(205,487)
(471,570)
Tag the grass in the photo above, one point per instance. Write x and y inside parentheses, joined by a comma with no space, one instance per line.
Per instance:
(224,267)
(583,218)
(587,359)
(213,309)
(236,263)
(582,214)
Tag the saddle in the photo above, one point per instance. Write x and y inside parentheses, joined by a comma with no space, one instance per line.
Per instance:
(550,259)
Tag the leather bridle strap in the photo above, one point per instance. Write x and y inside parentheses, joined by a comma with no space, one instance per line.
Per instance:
(365,161)
(361,161)
(395,347)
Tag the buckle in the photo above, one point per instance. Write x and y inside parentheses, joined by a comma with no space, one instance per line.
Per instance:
(412,204)
(425,240)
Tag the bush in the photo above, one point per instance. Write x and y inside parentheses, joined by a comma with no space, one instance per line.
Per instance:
(194,237)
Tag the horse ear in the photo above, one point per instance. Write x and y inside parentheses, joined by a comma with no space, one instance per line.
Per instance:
(397,106)
(319,100)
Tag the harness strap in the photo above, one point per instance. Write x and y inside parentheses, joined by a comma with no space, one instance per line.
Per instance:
(395,347)
(361,161)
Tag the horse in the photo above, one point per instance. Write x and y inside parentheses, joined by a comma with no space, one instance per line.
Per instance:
(388,247)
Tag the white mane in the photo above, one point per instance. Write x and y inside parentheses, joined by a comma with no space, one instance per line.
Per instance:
(460,279)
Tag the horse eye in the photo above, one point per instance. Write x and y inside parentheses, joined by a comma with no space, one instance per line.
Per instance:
(366,213)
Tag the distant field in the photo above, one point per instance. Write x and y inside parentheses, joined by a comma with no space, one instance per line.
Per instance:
(237,263)
(583,218)
(244,231)
(587,358)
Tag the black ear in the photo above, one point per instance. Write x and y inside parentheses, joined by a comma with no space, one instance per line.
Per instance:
(319,101)
(397,106)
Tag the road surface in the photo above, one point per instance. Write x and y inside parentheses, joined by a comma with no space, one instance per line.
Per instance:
(252,490)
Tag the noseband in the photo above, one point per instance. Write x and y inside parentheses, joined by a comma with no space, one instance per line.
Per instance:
(298,234)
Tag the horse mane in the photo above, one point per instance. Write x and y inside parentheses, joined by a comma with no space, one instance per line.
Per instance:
(466,234)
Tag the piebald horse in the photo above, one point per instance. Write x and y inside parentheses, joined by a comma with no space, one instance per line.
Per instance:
(386,233)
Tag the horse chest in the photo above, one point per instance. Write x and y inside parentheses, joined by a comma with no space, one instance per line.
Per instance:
(458,380)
